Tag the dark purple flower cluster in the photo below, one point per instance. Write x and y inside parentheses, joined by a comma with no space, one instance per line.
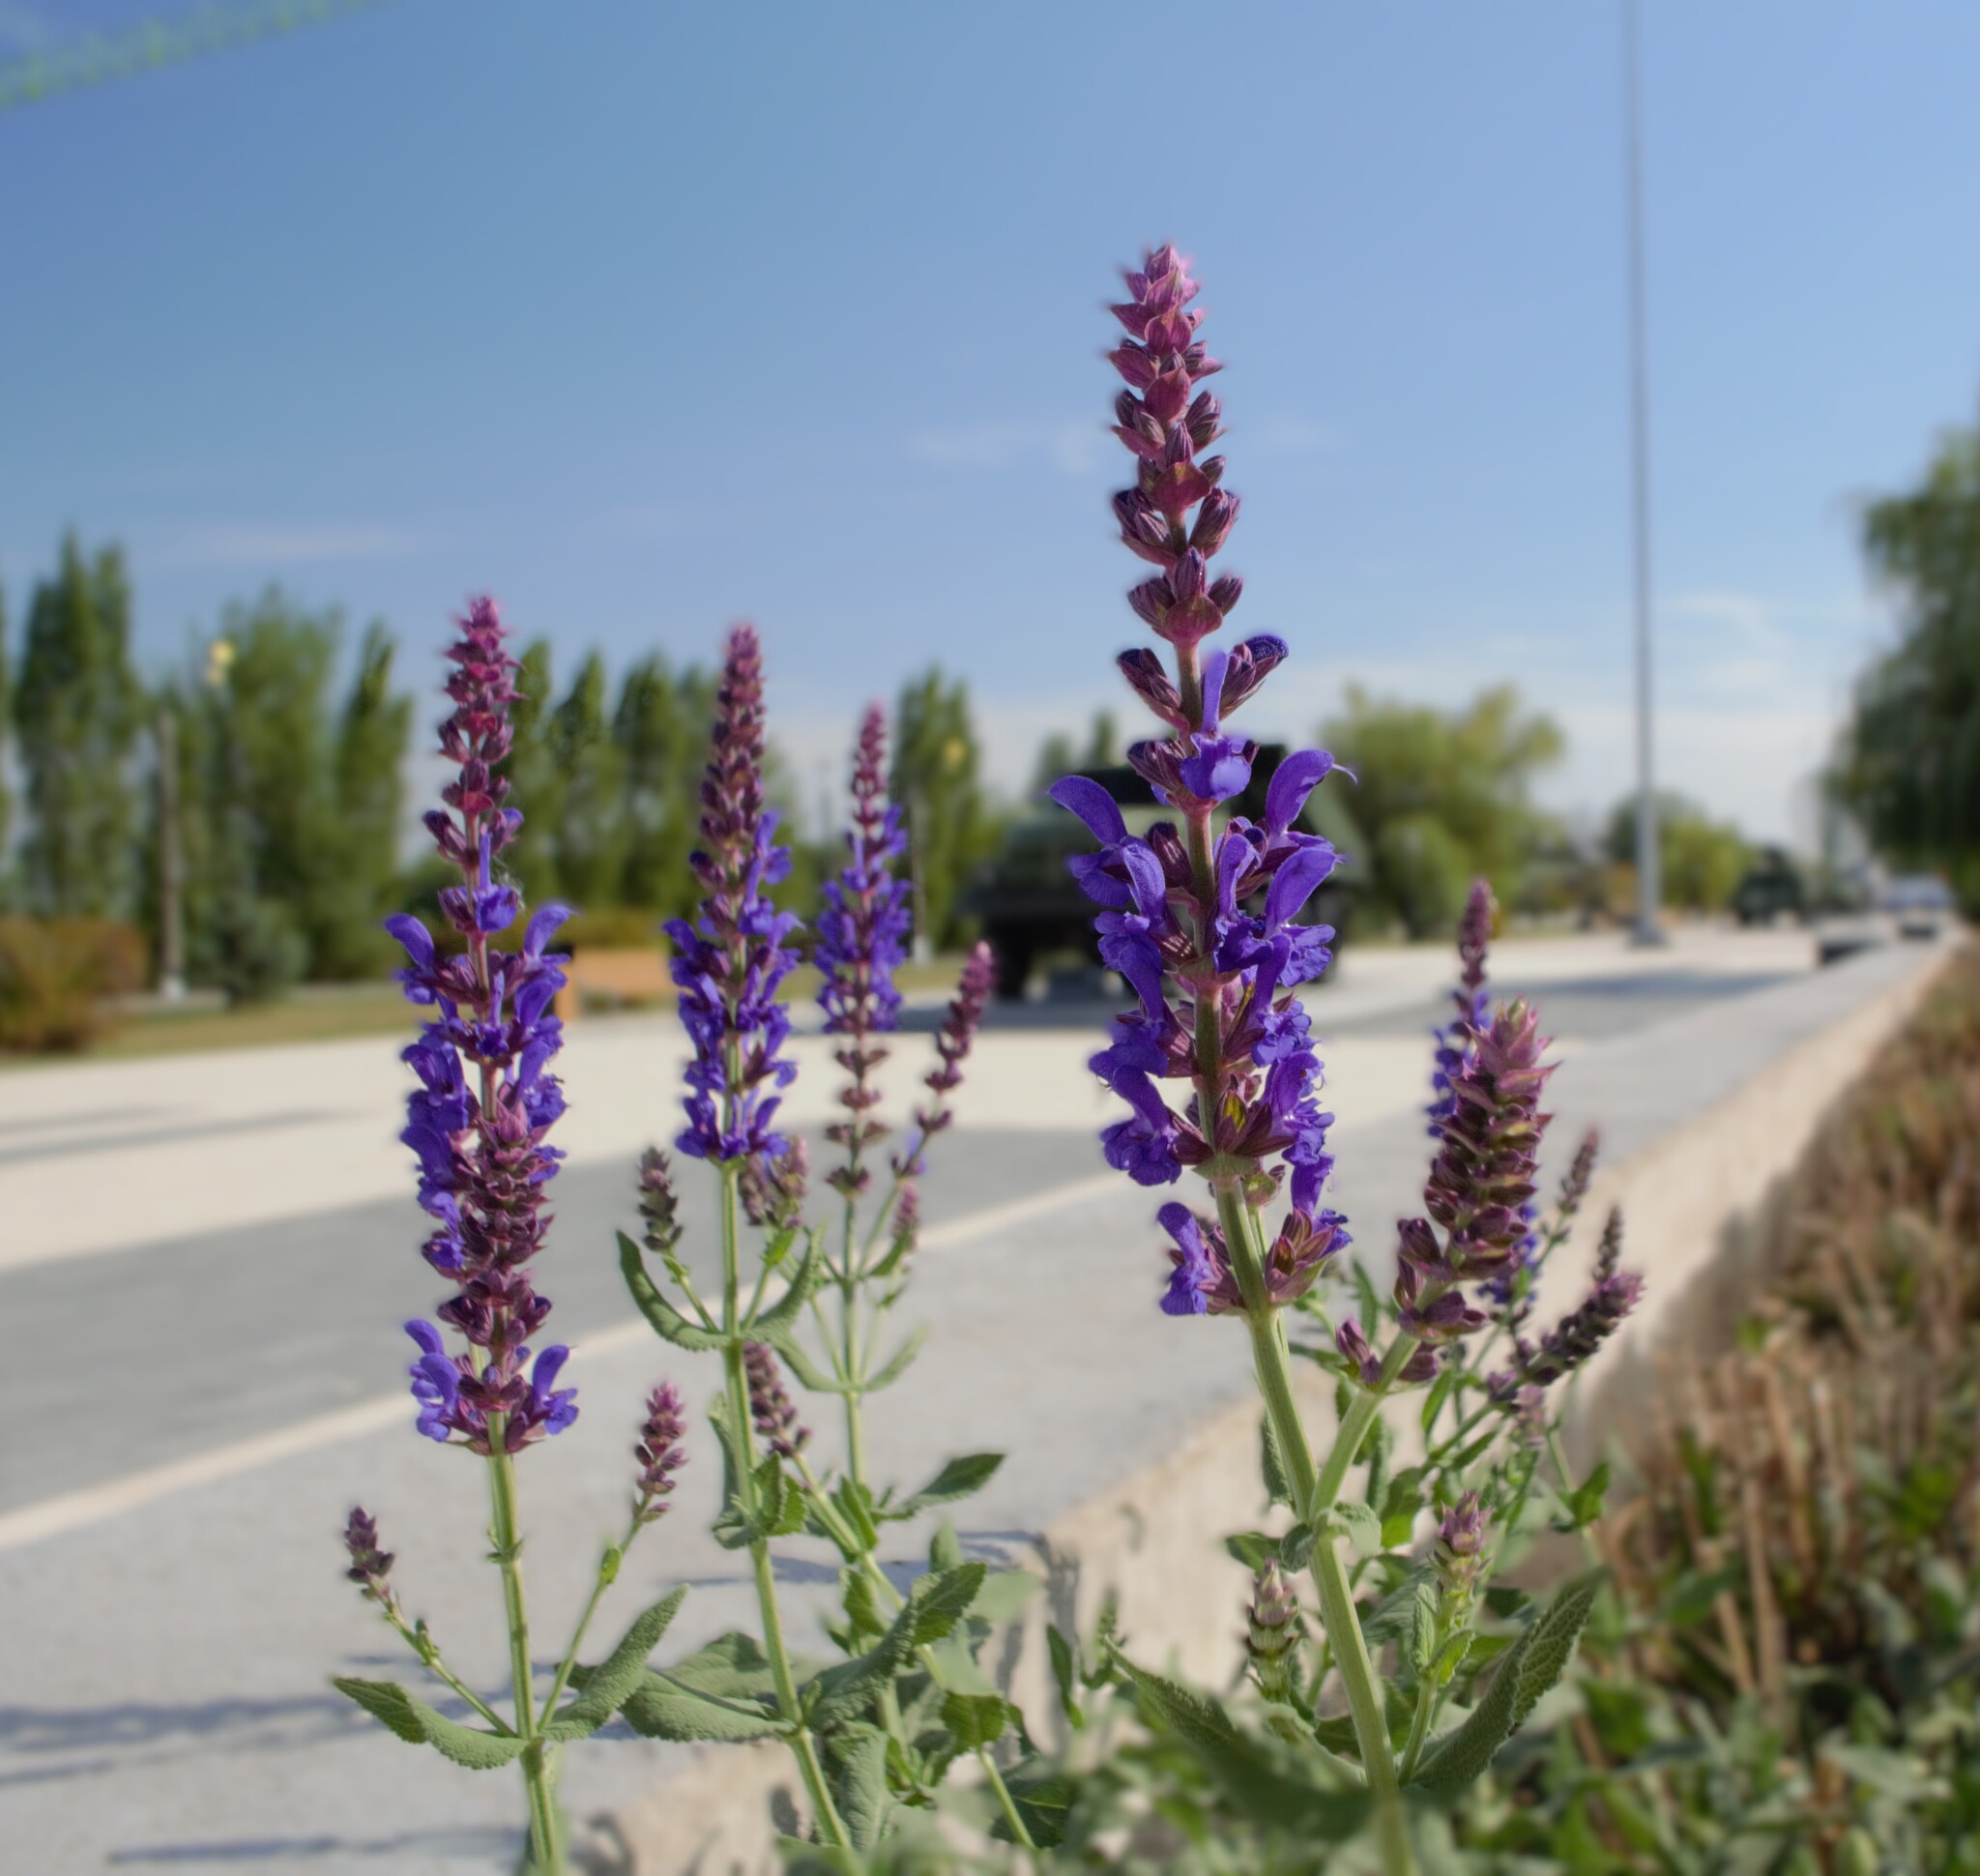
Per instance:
(1461,1544)
(1202,1283)
(369,1565)
(485,1102)
(661,1451)
(1202,922)
(862,933)
(953,1041)
(771,1407)
(729,963)
(1471,1004)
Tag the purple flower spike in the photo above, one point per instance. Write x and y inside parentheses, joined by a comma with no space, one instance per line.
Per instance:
(1469,1004)
(478,1121)
(862,934)
(771,1407)
(1574,1340)
(1461,1544)
(953,1041)
(662,1452)
(729,963)
(369,1565)
(1202,920)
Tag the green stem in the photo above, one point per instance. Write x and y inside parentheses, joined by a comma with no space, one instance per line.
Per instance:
(428,1652)
(1419,1722)
(1314,1495)
(849,1360)
(608,1572)
(1591,1549)
(831,1825)
(546,1851)
(1005,1800)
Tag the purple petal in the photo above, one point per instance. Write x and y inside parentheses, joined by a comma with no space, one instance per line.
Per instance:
(541,928)
(1295,881)
(1214,667)
(414,937)
(1295,779)
(1099,809)
(426,1335)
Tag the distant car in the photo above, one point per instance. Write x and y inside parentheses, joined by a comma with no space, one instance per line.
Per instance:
(1921,903)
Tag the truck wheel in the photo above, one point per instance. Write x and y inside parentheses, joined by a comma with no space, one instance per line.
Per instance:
(1014,965)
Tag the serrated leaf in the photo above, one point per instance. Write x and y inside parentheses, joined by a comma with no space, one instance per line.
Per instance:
(1396,1529)
(935,1604)
(961,1478)
(976,1719)
(667,1321)
(731,1667)
(607,1686)
(1065,1672)
(418,1724)
(1441,1390)
(657,1708)
(859,1760)
(1254,1549)
(1296,1548)
(899,1363)
(1269,1785)
(812,1378)
(1003,1596)
(1533,1665)
(1043,1795)
(775,1324)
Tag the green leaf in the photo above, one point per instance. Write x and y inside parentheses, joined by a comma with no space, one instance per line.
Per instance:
(1269,1785)
(1254,1549)
(935,1604)
(1043,1795)
(1584,1504)
(959,1479)
(1296,1548)
(667,1321)
(1441,1390)
(1278,1489)
(812,1378)
(976,1719)
(899,1363)
(1533,1665)
(1358,1525)
(658,1709)
(945,1547)
(418,1724)
(1003,1596)
(859,1757)
(777,1323)
(607,1686)
(731,1667)
(1065,1671)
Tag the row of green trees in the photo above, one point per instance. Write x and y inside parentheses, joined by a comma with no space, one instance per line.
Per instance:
(250,811)
(1909,766)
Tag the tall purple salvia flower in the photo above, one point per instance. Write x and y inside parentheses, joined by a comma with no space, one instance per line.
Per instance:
(1470,1006)
(863,932)
(1202,923)
(729,963)
(485,1102)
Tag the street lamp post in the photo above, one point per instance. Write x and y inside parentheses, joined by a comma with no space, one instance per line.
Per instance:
(1647,930)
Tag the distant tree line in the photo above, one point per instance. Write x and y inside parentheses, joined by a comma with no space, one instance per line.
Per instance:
(250,811)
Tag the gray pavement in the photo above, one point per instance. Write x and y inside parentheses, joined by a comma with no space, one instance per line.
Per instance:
(163,1665)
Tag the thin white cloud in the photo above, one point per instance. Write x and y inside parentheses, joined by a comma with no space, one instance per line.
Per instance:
(998,444)
(280,545)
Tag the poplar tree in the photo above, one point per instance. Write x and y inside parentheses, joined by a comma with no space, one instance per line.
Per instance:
(77,711)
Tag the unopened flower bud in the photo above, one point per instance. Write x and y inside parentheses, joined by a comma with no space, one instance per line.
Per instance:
(659,1204)
(770,1406)
(660,1452)
(1273,1629)
(1460,1545)
(369,1565)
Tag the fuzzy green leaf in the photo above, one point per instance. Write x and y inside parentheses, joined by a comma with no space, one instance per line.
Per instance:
(1533,1664)
(945,1547)
(607,1686)
(1269,1784)
(935,1604)
(899,1363)
(775,1324)
(1003,1596)
(1278,1488)
(1043,1795)
(659,1708)
(1254,1549)
(961,1478)
(1065,1672)
(418,1724)
(976,1719)
(858,1755)
(1358,1525)
(667,1321)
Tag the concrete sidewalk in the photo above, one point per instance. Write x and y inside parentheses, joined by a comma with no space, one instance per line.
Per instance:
(166,1664)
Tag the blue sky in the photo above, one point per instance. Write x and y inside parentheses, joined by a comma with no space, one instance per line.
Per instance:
(647,317)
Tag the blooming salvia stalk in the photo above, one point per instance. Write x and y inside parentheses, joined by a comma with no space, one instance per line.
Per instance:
(730,964)
(478,1123)
(1201,915)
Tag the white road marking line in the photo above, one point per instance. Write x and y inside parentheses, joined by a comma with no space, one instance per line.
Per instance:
(50,1517)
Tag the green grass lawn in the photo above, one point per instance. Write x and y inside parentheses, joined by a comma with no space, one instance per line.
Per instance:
(331,1012)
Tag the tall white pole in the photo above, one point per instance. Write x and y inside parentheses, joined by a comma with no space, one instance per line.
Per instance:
(1648,894)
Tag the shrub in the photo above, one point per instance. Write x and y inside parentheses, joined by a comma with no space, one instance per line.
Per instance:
(55,974)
